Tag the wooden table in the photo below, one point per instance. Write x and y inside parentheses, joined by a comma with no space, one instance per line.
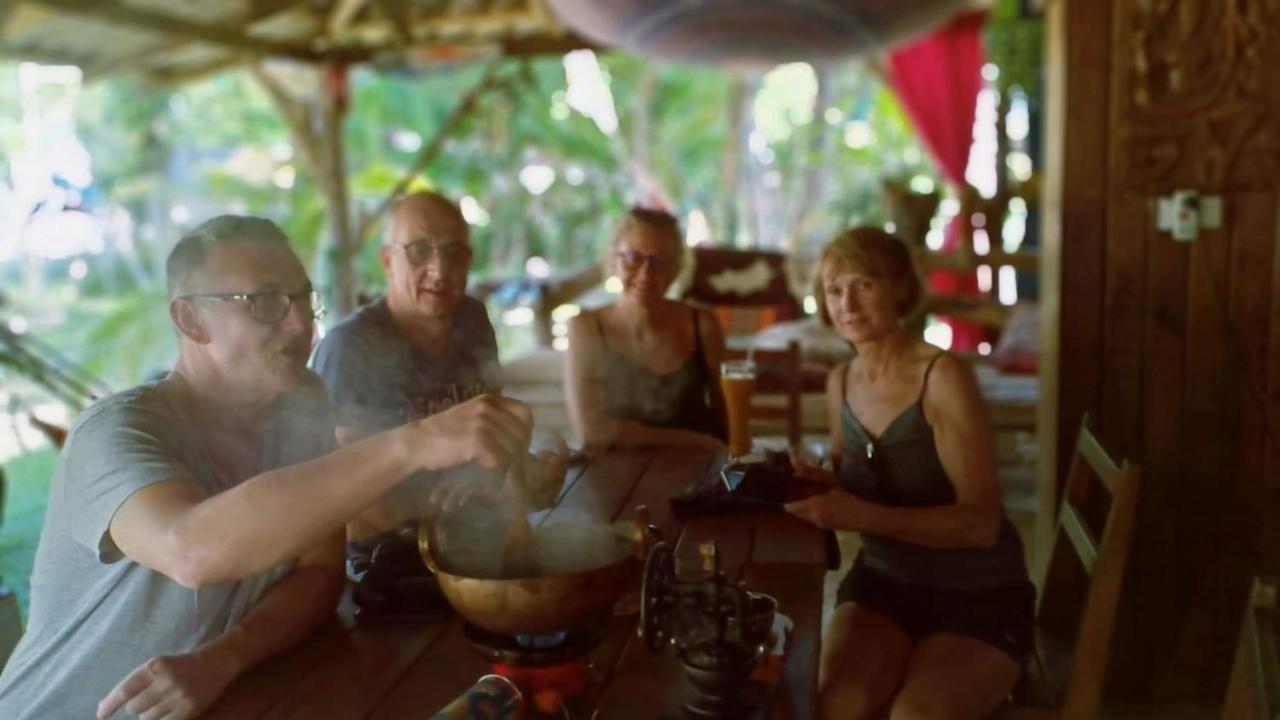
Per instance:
(392,668)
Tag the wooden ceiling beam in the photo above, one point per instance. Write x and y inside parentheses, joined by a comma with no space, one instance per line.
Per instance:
(474,24)
(344,12)
(123,63)
(173,78)
(259,11)
(543,45)
(6,9)
(394,13)
(39,55)
(114,12)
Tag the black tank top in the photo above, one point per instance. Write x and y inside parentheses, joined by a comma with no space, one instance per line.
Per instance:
(902,469)
(678,400)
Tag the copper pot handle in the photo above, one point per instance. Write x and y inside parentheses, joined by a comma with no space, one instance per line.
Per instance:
(424,544)
(645,534)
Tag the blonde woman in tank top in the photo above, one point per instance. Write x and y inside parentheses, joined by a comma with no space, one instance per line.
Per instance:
(643,370)
(934,619)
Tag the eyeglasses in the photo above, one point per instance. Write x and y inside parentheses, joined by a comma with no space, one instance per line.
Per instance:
(632,260)
(449,255)
(270,308)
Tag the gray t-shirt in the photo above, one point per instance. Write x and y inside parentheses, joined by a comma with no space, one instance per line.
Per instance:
(96,615)
(378,381)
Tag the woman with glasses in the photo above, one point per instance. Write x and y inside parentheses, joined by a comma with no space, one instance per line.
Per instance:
(642,371)
(935,616)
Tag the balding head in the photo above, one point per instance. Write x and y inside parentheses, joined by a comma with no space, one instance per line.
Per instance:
(426,213)
(426,253)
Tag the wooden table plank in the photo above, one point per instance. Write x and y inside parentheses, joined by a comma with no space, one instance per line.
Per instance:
(643,685)
(339,672)
(781,538)
(671,473)
(442,672)
(361,672)
(252,695)
(602,489)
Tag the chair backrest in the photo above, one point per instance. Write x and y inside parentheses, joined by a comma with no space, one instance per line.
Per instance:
(1253,693)
(1081,587)
(748,290)
(778,387)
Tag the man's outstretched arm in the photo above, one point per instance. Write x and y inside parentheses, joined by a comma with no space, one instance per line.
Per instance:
(172,528)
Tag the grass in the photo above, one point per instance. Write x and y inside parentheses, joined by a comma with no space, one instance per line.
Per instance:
(27,491)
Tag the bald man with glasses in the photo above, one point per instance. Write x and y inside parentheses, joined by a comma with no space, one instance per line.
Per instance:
(195,523)
(420,350)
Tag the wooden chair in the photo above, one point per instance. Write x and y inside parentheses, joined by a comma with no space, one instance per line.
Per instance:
(1076,610)
(1253,692)
(747,290)
(777,376)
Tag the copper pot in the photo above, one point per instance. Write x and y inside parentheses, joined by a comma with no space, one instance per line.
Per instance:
(564,598)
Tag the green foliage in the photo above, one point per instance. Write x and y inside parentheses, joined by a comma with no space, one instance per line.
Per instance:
(1015,43)
(133,339)
(130,130)
(27,480)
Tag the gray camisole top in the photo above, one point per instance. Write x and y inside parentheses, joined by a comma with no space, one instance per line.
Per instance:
(902,469)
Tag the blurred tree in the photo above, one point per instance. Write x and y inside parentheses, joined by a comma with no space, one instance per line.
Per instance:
(803,158)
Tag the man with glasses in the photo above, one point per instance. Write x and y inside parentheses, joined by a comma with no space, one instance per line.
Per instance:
(423,348)
(195,523)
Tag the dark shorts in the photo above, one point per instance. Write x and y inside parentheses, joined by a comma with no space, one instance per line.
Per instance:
(1001,617)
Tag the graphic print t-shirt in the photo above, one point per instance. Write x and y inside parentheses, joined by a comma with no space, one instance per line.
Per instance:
(378,381)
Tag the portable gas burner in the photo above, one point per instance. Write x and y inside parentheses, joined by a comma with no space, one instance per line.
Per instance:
(550,669)
(718,629)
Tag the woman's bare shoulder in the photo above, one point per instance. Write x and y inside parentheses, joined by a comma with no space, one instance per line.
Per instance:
(588,322)
(951,380)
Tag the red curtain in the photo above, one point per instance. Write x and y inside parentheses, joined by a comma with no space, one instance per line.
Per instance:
(937,79)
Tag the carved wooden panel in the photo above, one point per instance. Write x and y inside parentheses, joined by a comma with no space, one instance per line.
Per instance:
(1197,103)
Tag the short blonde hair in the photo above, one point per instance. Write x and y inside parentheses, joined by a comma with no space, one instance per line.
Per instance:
(878,254)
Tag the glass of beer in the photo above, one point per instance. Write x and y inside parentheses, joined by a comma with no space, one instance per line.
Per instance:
(737,382)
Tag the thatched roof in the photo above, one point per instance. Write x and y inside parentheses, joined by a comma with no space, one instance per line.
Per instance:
(174,40)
